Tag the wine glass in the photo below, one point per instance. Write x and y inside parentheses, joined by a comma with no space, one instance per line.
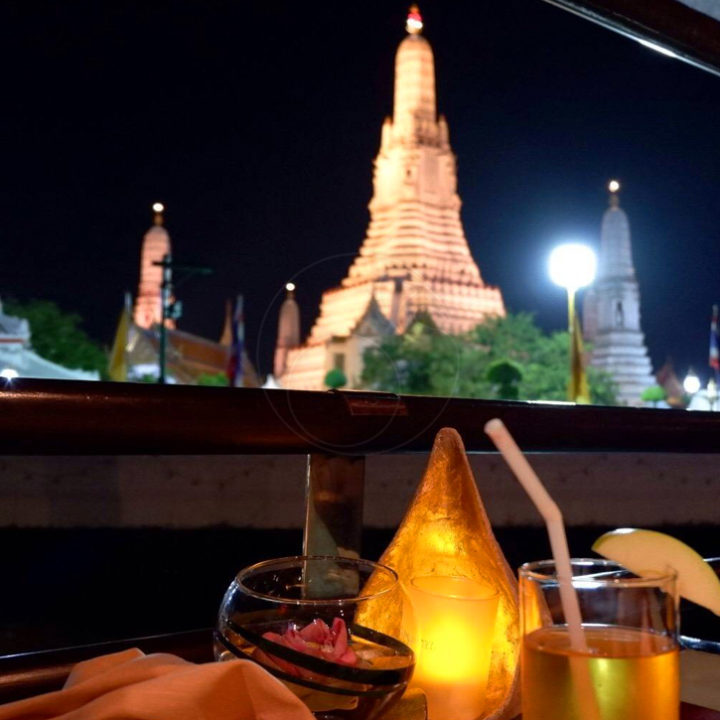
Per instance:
(302,617)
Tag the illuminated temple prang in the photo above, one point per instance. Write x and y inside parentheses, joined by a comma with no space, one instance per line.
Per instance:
(288,337)
(611,309)
(415,256)
(156,244)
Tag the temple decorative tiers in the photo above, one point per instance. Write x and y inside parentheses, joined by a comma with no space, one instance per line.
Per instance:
(612,309)
(415,255)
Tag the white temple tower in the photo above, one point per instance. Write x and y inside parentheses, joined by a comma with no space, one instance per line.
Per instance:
(415,255)
(611,309)
(148,303)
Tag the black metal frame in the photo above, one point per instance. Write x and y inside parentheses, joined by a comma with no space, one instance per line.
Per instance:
(691,35)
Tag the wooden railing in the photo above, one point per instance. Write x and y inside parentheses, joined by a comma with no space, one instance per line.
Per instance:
(88,418)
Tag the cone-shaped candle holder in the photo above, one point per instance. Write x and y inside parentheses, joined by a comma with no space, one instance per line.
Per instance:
(446,533)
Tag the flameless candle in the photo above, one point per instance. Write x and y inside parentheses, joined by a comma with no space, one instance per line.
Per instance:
(454,619)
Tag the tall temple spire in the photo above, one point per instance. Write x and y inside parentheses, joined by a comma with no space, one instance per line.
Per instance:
(156,244)
(414,102)
(415,255)
(611,310)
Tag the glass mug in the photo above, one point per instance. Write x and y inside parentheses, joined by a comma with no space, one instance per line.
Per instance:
(630,669)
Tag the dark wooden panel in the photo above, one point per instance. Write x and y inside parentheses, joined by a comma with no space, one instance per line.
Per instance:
(691,35)
(68,418)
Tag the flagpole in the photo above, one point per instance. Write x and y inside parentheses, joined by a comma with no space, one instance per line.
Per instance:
(240,315)
(235,370)
(714,360)
(126,350)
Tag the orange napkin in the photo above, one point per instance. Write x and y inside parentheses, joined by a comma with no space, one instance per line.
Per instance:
(130,685)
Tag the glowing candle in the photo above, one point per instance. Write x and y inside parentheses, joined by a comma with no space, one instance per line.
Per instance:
(454,619)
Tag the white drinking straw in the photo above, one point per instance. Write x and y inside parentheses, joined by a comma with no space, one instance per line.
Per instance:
(548,508)
(550,512)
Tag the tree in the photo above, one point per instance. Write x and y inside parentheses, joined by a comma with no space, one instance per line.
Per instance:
(212,379)
(335,378)
(425,361)
(57,336)
(654,394)
(505,375)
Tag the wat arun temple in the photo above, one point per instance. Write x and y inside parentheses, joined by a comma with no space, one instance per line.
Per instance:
(414,258)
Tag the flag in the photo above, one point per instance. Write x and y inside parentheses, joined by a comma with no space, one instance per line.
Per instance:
(714,356)
(235,363)
(118,365)
(578,389)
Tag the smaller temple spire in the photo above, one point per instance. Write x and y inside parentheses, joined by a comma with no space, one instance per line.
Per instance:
(288,336)
(156,244)
(158,209)
(614,190)
(414,22)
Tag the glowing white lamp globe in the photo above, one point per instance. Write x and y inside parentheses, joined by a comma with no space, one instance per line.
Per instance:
(9,373)
(691,383)
(572,266)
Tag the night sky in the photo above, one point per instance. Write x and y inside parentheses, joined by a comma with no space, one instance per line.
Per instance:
(256,123)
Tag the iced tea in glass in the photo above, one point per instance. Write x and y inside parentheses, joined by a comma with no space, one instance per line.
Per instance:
(630,666)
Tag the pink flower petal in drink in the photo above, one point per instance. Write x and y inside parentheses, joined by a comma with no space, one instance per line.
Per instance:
(315,639)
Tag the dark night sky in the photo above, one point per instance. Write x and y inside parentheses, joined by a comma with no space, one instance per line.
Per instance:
(256,124)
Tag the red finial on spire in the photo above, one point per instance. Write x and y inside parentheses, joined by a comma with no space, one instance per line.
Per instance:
(414,23)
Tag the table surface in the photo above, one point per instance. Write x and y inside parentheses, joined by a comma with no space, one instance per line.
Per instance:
(33,673)
(700,679)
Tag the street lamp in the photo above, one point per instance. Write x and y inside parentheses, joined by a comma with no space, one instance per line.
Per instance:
(691,383)
(572,266)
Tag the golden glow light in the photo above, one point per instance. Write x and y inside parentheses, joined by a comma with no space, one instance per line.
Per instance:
(446,532)
(158,207)
(613,186)
(453,621)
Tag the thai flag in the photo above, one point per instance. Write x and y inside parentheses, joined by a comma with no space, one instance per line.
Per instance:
(714,358)
(235,364)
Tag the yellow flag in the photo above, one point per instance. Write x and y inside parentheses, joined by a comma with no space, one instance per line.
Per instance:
(118,365)
(578,388)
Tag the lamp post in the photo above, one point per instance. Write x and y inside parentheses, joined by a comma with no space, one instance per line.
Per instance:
(572,266)
(171,309)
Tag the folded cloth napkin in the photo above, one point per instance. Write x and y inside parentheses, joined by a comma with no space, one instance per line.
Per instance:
(130,685)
